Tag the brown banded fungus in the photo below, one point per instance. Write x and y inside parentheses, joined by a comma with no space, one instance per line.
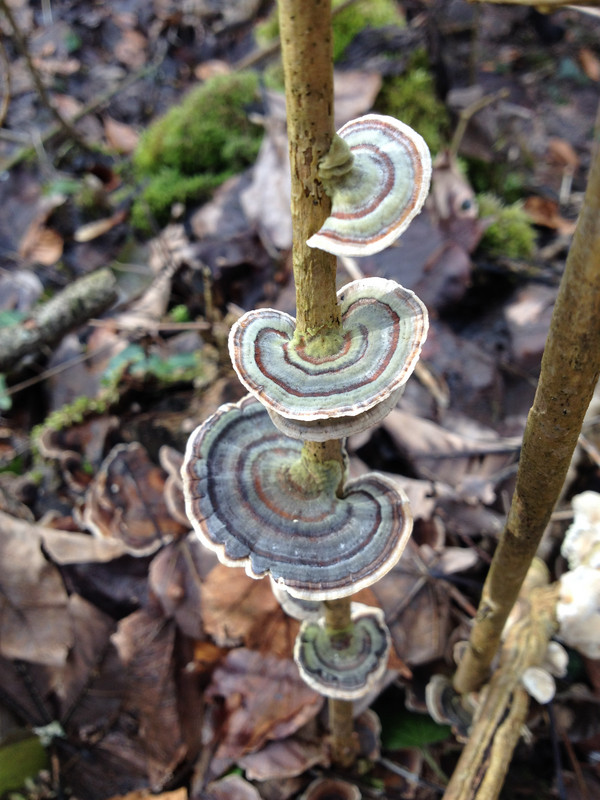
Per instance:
(345,665)
(331,789)
(383,330)
(249,501)
(377,173)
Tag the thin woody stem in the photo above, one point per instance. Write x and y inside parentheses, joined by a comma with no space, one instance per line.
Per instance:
(306,46)
(307,55)
(569,374)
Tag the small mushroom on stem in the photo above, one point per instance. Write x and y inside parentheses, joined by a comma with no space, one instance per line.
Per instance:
(345,664)
(377,174)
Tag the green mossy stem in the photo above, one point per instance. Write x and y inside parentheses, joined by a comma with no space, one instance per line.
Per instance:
(569,374)
(314,476)
(319,344)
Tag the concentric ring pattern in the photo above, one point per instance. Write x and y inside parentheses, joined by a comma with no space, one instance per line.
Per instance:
(384,326)
(244,504)
(375,201)
(345,666)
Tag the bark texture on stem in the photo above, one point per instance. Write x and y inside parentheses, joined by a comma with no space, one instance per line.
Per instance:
(306,45)
(341,723)
(569,373)
(307,55)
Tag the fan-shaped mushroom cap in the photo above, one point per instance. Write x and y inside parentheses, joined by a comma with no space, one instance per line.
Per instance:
(578,610)
(384,327)
(344,665)
(331,789)
(539,684)
(375,194)
(245,504)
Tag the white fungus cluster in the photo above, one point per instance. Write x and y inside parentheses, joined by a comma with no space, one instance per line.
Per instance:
(578,607)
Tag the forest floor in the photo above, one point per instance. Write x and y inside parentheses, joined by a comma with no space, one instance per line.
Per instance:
(141,663)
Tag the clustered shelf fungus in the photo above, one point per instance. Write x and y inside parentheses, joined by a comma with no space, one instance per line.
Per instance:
(247,502)
(253,493)
(317,398)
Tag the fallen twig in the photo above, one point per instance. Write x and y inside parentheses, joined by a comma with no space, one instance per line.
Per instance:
(49,322)
(21,43)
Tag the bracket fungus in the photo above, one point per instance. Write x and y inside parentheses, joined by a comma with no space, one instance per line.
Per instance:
(345,665)
(246,503)
(331,789)
(377,173)
(383,330)
(296,607)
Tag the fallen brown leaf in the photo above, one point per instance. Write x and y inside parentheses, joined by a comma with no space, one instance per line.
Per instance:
(92,230)
(120,136)
(42,245)
(264,699)
(34,623)
(126,501)
(544,211)
(590,63)
(240,610)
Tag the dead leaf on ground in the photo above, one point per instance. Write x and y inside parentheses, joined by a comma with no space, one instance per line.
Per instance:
(208,69)
(145,645)
(126,501)
(416,607)
(544,211)
(120,136)
(66,547)
(40,243)
(264,699)
(144,794)
(286,758)
(562,153)
(34,623)
(590,63)
(78,449)
(229,787)
(176,578)
(240,610)
(57,688)
(439,453)
(131,49)
(92,230)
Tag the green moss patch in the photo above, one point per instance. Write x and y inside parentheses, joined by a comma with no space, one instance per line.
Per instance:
(196,146)
(511,233)
(411,97)
(346,25)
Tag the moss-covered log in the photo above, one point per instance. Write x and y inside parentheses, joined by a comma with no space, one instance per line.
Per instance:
(49,322)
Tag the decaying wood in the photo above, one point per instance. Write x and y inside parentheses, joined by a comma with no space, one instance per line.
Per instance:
(499,721)
(569,373)
(49,322)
